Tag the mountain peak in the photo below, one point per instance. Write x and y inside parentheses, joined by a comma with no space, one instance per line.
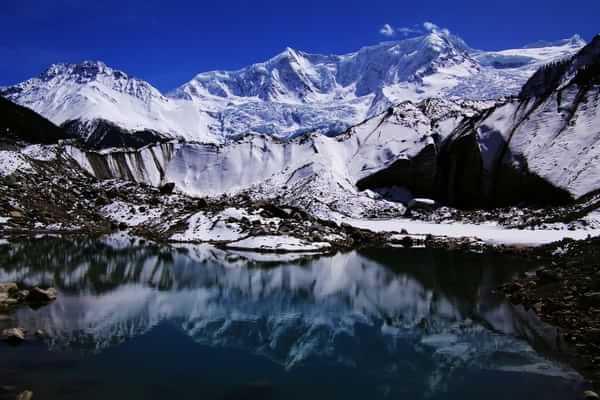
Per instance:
(440,40)
(82,72)
(287,54)
(573,41)
(580,68)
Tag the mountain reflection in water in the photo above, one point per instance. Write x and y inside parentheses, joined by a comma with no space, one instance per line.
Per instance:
(411,322)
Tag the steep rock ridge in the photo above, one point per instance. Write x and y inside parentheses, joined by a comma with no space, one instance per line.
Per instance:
(101,134)
(21,123)
(543,146)
(145,165)
(291,94)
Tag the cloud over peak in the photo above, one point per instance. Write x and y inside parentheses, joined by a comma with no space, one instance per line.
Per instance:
(387,30)
(418,29)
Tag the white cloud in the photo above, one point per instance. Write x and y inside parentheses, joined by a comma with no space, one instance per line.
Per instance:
(387,30)
(430,27)
(407,31)
(418,29)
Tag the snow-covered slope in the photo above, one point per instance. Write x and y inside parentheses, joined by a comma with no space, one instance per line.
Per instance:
(314,171)
(93,91)
(292,93)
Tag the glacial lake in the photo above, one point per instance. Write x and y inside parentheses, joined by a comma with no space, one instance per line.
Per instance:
(140,321)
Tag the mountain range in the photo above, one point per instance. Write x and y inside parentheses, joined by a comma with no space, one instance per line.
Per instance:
(290,94)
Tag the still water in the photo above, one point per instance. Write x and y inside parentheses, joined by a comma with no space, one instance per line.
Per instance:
(141,321)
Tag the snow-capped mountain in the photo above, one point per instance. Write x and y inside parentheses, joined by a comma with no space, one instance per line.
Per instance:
(537,148)
(92,91)
(292,93)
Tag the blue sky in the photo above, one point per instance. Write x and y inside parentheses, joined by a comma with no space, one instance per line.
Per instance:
(167,42)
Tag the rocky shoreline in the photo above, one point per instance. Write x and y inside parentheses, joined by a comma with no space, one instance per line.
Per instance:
(565,293)
(13,296)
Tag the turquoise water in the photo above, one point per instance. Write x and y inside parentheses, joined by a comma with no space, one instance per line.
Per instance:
(140,321)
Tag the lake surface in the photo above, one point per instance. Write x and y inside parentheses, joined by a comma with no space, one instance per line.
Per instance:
(140,321)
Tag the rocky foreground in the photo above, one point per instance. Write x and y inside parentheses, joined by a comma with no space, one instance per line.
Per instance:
(565,293)
(13,296)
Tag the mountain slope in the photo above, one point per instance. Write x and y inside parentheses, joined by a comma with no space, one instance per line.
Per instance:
(19,122)
(290,94)
(550,134)
(315,172)
(93,91)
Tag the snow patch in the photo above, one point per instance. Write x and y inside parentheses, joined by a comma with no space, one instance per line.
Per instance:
(130,214)
(489,233)
(11,162)
(278,243)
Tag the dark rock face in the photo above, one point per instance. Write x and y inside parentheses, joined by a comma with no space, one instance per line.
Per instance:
(129,164)
(454,175)
(463,182)
(102,134)
(417,174)
(17,122)
(167,188)
(516,184)
(459,178)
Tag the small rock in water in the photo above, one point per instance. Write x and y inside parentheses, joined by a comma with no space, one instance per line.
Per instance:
(21,295)
(26,395)
(13,335)
(8,287)
(589,395)
(38,295)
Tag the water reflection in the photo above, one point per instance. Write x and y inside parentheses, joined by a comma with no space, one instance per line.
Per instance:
(396,316)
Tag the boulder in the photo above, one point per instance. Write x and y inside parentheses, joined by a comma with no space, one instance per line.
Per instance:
(26,395)
(589,395)
(16,214)
(8,287)
(547,276)
(21,295)
(13,335)
(167,188)
(38,295)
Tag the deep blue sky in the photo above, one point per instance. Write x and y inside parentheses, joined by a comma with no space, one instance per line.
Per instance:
(167,42)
